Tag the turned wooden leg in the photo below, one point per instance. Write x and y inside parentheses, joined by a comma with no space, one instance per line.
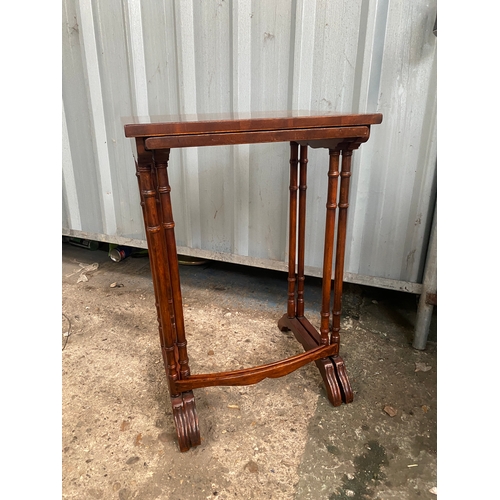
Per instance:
(153,186)
(292,241)
(302,231)
(283,323)
(159,271)
(167,222)
(294,320)
(331,206)
(184,408)
(345,176)
(326,366)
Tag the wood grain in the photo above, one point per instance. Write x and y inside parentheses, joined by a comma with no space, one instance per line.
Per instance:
(341,134)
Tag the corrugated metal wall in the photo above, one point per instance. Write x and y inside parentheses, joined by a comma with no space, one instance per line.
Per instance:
(132,57)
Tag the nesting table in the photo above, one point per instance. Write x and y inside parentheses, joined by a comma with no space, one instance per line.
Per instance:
(340,134)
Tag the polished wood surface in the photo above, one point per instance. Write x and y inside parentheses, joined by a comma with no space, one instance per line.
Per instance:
(253,137)
(340,134)
(242,122)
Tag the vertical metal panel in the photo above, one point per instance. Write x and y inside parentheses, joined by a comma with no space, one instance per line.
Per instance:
(71,207)
(133,57)
(76,110)
(395,186)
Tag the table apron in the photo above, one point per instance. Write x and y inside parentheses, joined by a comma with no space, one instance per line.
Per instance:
(335,134)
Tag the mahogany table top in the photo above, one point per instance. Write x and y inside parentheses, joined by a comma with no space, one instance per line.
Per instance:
(162,125)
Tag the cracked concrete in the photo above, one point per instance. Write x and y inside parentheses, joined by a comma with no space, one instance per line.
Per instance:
(279,439)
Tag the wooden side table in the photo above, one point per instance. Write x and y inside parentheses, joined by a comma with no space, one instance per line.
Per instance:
(340,134)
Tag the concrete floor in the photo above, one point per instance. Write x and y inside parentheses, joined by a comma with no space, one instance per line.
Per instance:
(280,439)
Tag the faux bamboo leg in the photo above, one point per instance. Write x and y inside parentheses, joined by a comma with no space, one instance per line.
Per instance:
(345,176)
(331,206)
(292,242)
(167,222)
(157,251)
(166,284)
(341,239)
(302,231)
(294,320)
(183,405)
(326,366)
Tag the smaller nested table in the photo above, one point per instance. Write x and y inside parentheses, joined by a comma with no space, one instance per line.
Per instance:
(340,134)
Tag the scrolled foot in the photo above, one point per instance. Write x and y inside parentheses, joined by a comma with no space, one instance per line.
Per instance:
(283,324)
(345,385)
(328,373)
(186,420)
